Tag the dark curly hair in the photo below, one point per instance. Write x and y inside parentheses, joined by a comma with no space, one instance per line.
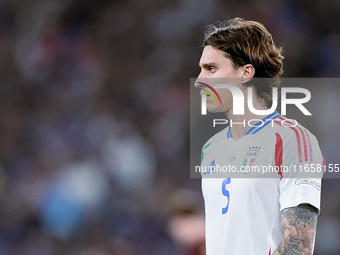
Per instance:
(249,42)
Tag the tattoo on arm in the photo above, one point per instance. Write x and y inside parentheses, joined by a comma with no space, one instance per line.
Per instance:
(299,227)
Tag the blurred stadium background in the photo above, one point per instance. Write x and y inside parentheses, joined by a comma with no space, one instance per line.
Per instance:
(94,119)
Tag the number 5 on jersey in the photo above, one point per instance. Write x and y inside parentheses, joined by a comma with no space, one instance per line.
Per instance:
(225,192)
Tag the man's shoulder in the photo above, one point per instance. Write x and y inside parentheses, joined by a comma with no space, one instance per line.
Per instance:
(294,135)
(290,128)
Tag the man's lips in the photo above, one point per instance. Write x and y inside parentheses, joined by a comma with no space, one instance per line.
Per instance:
(204,85)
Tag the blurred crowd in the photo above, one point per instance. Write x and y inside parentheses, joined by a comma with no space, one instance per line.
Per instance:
(94,119)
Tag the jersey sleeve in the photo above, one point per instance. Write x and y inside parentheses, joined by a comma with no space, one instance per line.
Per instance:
(302,163)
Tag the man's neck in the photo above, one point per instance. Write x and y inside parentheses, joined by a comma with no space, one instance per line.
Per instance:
(239,123)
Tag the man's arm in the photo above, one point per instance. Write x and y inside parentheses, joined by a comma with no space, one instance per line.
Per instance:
(299,227)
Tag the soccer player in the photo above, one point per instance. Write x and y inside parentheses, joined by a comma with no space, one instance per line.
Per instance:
(248,215)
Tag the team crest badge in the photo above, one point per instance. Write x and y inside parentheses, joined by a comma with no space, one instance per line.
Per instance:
(250,159)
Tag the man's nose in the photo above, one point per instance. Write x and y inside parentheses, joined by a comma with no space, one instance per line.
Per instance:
(198,82)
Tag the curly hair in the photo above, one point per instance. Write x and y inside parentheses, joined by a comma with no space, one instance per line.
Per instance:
(249,42)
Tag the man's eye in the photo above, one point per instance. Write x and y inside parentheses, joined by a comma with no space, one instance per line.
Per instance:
(212,69)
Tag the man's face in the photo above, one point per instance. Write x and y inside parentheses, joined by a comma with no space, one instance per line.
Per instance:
(215,65)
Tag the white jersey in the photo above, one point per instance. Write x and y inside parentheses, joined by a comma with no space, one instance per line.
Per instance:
(243,214)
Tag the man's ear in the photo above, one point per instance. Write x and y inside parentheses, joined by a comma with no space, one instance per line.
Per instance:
(248,72)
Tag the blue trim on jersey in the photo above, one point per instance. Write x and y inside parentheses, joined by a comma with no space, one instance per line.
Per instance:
(256,128)
(272,116)
(260,122)
(229,135)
